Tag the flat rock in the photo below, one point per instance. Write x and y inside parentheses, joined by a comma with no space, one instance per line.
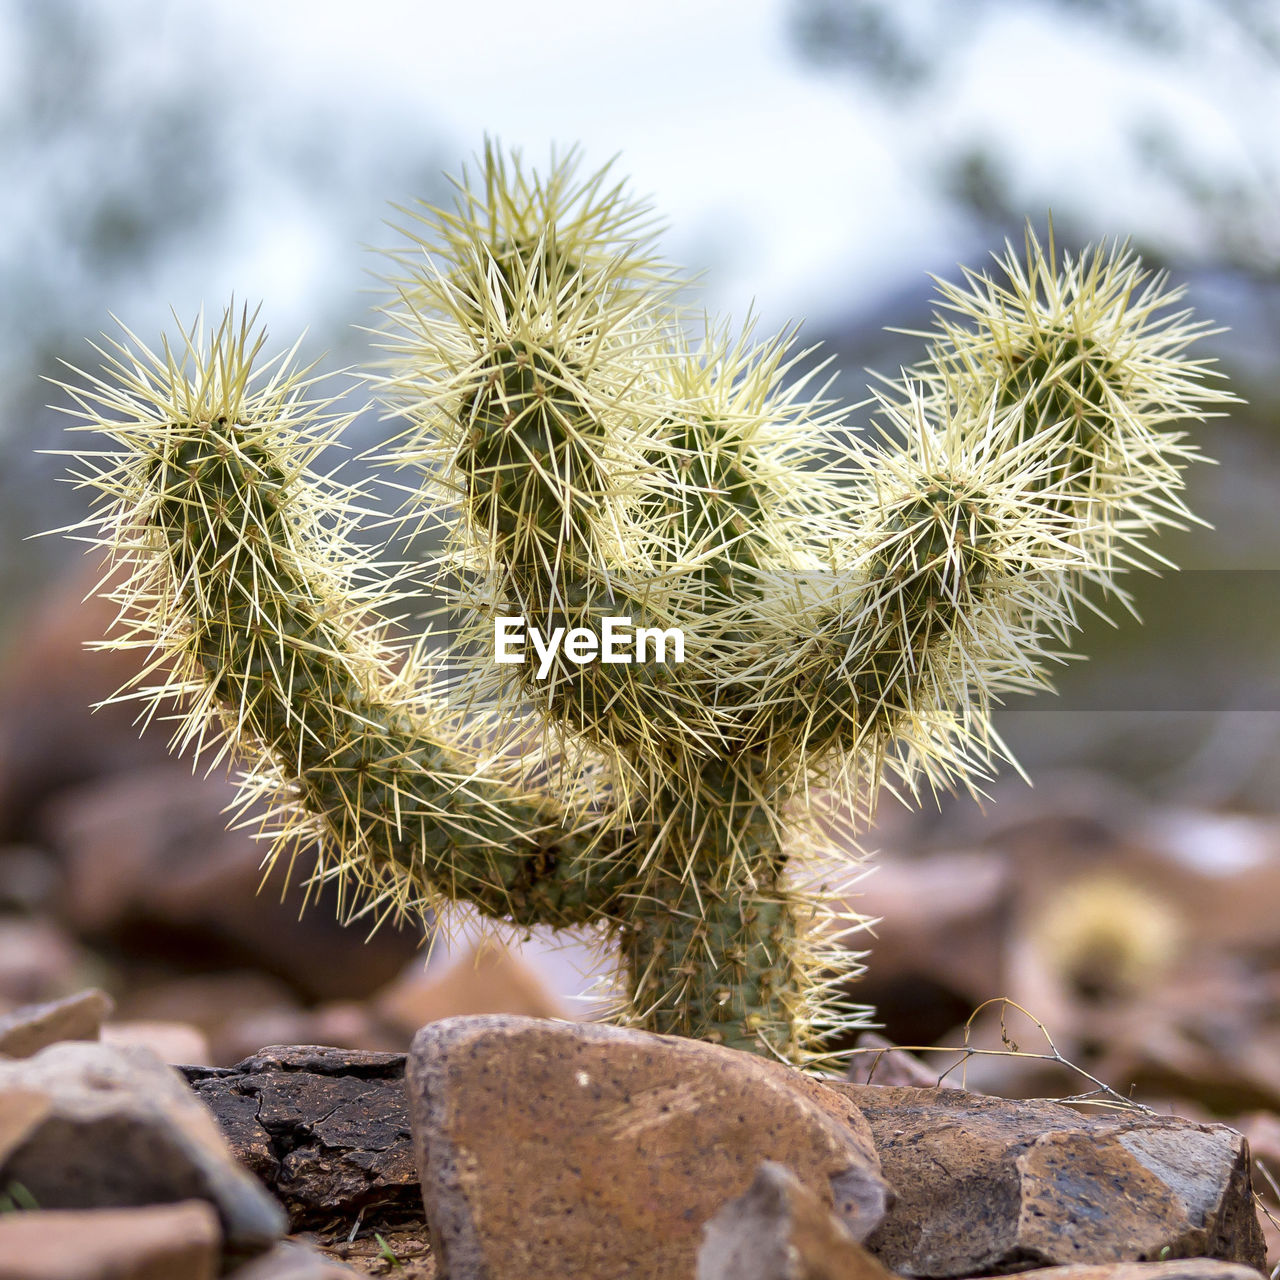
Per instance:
(223,1006)
(30,1028)
(326,1129)
(556,1150)
(986,1185)
(150,850)
(291,1261)
(159,1242)
(780,1230)
(1183,1269)
(114,1127)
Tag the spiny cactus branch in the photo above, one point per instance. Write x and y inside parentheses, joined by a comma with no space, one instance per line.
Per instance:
(242,551)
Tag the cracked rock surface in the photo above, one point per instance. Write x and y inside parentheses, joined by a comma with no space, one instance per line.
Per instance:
(326,1129)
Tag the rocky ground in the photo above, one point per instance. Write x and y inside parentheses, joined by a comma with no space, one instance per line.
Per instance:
(507,1146)
(1137,943)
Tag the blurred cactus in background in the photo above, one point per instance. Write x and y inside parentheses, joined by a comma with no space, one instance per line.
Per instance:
(849,606)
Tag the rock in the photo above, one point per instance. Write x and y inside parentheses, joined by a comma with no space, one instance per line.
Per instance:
(149,857)
(22,1111)
(987,1185)
(349,1025)
(177,1043)
(938,946)
(1262,1128)
(241,1037)
(341,1024)
(488,979)
(879,1061)
(119,1128)
(291,1261)
(780,1230)
(550,1149)
(29,878)
(217,1004)
(1183,1269)
(38,961)
(1225,869)
(50,737)
(31,1028)
(326,1129)
(158,1242)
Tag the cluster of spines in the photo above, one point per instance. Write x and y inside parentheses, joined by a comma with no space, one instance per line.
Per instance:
(848,607)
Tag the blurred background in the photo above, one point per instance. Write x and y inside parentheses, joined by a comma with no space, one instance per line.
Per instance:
(816,159)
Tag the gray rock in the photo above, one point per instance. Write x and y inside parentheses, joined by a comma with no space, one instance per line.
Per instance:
(115,1127)
(987,1185)
(32,1027)
(550,1150)
(779,1230)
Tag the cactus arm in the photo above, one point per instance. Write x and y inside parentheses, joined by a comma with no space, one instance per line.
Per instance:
(1090,354)
(252,588)
(1050,391)
(939,601)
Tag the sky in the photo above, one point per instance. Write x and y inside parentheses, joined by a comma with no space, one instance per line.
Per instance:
(797,191)
(761,168)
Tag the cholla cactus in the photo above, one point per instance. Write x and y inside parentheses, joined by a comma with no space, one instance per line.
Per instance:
(846,606)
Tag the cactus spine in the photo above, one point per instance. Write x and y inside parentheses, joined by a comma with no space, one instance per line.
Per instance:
(848,606)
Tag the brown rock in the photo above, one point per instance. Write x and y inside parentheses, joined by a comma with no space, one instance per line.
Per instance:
(291,1261)
(29,1029)
(780,1230)
(118,1129)
(22,1111)
(149,853)
(327,1130)
(49,735)
(942,915)
(550,1149)
(159,1242)
(987,1185)
(341,1024)
(488,979)
(29,878)
(1262,1128)
(349,1025)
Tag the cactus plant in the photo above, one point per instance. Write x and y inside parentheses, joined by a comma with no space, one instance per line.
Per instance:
(849,604)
